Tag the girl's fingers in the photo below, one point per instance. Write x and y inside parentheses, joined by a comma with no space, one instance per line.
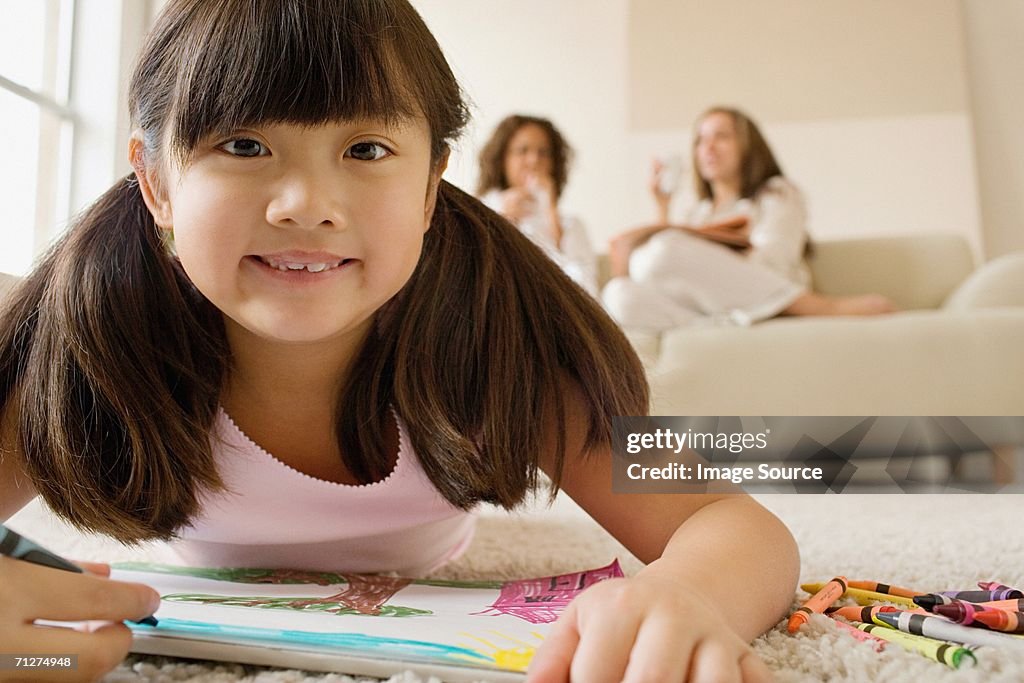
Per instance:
(715,662)
(95,653)
(46,593)
(605,645)
(661,652)
(754,670)
(553,659)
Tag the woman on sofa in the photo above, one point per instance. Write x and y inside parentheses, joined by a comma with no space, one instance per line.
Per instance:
(523,170)
(739,255)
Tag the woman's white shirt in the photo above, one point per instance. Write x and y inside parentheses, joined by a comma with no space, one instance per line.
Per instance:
(574,254)
(778,227)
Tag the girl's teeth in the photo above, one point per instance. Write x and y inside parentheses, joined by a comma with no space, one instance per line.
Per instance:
(311,267)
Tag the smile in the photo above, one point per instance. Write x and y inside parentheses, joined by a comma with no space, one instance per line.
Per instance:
(286,266)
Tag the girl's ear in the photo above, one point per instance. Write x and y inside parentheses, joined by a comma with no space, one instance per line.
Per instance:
(435,183)
(149,183)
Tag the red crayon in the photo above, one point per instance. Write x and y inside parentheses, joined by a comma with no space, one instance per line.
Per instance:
(962,612)
(817,603)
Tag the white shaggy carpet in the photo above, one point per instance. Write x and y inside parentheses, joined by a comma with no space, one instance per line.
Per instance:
(930,542)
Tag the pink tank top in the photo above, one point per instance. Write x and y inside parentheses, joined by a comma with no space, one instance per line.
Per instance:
(273,516)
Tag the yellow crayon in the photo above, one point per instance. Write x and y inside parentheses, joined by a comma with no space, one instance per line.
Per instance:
(863,597)
(823,597)
(952,655)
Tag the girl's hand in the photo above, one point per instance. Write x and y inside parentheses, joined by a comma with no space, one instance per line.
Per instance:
(29,592)
(643,629)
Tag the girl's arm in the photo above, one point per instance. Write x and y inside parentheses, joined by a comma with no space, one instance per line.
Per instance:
(720,571)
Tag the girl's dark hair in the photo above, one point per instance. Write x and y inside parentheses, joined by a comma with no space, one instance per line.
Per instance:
(492,156)
(114,363)
(757,163)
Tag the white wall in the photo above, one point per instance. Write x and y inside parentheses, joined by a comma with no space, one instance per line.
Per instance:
(569,60)
(995,63)
(563,60)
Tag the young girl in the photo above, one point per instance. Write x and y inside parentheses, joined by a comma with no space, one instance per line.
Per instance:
(285,341)
(523,170)
(667,276)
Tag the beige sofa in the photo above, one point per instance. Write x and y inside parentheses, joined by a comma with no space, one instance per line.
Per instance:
(957,347)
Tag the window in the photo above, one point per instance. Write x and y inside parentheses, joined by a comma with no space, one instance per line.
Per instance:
(36,121)
(64,65)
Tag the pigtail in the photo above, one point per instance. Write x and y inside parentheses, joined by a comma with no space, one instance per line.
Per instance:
(116,364)
(479,354)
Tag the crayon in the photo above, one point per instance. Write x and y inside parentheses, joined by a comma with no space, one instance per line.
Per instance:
(949,654)
(16,546)
(864,615)
(995,586)
(930,600)
(863,597)
(885,588)
(937,627)
(1001,620)
(816,604)
(878,644)
(961,611)
(1016,605)
(982,596)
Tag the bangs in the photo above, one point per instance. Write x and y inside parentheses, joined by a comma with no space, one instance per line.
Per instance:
(240,63)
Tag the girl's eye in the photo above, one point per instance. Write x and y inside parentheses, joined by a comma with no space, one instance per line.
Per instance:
(368,151)
(245,147)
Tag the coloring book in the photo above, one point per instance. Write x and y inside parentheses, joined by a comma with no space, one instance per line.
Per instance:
(354,624)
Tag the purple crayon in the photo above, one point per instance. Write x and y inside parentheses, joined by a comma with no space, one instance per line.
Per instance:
(986,595)
(996,586)
(930,600)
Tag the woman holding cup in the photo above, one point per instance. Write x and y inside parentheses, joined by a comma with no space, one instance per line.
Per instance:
(523,169)
(739,255)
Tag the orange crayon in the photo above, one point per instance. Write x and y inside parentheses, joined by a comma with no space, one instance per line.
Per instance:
(1001,620)
(817,603)
(1013,604)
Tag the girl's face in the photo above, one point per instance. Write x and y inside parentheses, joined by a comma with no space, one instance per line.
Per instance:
(300,234)
(717,149)
(528,155)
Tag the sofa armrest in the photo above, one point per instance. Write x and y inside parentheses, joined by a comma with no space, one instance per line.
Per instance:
(999,282)
(913,363)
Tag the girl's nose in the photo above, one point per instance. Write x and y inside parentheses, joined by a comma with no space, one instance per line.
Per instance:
(304,203)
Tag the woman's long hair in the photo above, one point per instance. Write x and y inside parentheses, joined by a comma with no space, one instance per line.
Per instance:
(113,362)
(492,156)
(757,163)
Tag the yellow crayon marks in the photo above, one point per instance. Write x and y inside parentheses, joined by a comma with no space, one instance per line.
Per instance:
(515,655)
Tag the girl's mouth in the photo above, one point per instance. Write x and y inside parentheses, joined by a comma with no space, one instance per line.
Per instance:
(286,266)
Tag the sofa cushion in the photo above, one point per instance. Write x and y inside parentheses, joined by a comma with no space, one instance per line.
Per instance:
(915,271)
